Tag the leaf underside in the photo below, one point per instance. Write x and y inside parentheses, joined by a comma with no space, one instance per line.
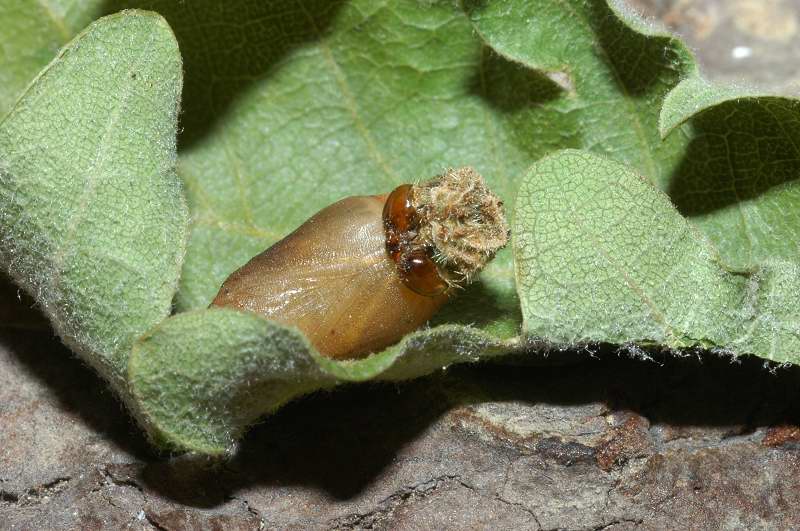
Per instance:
(602,256)
(91,210)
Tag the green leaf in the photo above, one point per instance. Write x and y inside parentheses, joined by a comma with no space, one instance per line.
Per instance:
(202,377)
(616,68)
(732,168)
(603,256)
(312,101)
(92,217)
(31,34)
(739,180)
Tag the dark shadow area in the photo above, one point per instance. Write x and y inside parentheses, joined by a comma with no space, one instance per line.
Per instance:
(510,87)
(26,332)
(337,442)
(701,389)
(340,442)
(17,309)
(228,46)
(741,150)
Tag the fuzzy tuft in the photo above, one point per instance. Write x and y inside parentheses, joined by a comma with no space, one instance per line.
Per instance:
(462,221)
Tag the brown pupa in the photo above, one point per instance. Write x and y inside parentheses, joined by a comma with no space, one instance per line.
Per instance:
(367,270)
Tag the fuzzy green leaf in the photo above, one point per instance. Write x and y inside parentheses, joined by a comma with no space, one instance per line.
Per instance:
(327,99)
(92,217)
(603,256)
(201,377)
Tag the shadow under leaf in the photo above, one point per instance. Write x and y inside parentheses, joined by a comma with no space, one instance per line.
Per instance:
(638,61)
(340,443)
(739,181)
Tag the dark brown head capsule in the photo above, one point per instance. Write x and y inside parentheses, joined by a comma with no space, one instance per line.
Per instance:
(414,261)
(367,270)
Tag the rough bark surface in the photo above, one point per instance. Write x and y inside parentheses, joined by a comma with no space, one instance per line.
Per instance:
(603,442)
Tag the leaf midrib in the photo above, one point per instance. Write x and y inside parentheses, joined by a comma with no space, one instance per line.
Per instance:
(348,98)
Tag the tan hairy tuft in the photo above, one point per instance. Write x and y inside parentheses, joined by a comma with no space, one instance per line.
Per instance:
(461,220)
